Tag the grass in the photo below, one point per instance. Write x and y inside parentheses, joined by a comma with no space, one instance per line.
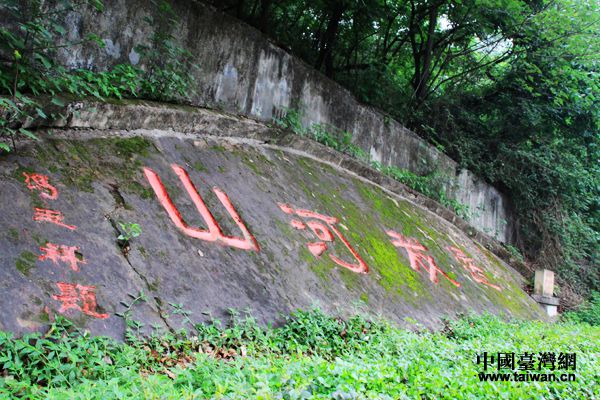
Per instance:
(310,356)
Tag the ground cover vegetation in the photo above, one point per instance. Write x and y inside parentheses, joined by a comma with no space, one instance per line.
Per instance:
(509,88)
(309,356)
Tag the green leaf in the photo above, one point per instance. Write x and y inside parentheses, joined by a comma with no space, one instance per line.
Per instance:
(92,37)
(98,5)
(5,147)
(41,113)
(28,133)
(57,102)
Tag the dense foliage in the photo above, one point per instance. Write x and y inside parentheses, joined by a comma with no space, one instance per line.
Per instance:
(509,88)
(588,312)
(310,356)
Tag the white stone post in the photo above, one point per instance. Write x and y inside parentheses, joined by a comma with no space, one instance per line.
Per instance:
(543,291)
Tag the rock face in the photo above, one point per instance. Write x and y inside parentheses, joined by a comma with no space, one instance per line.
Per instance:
(225,223)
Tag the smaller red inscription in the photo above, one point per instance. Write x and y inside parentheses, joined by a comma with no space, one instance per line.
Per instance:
(60,253)
(417,258)
(53,216)
(322,228)
(42,184)
(469,264)
(72,295)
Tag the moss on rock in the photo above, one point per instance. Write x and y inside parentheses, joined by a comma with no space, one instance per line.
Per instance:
(25,262)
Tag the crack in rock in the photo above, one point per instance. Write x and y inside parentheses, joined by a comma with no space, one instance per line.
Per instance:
(120,203)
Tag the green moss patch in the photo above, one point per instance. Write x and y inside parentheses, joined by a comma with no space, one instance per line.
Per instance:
(13,235)
(80,163)
(367,218)
(25,262)
(127,147)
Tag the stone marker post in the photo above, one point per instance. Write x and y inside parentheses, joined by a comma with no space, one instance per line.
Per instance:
(543,291)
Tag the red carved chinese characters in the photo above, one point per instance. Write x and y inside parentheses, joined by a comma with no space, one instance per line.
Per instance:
(469,264)
(42,184)
(60,253)
(72,295)
(214,232)
(53,216)
(417,258)
(322,228)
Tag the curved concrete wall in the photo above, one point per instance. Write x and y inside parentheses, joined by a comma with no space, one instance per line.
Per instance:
(242,72)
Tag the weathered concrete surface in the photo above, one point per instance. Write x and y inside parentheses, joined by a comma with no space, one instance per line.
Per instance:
(242,72)
(100,182)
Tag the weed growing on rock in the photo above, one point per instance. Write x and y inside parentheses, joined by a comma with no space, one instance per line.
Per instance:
(129,230)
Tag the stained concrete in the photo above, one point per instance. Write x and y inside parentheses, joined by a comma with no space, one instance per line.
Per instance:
(100,180)
(241,71)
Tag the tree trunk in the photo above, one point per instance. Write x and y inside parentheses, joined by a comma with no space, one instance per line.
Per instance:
(263,16)
(423,59)
(328,40)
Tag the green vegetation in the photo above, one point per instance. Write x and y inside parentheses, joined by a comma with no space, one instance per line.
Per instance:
(588,312)
(13,235)
(311,356)
(25,262)
(129,230)
(128,147)
(325,134)
(33,82)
